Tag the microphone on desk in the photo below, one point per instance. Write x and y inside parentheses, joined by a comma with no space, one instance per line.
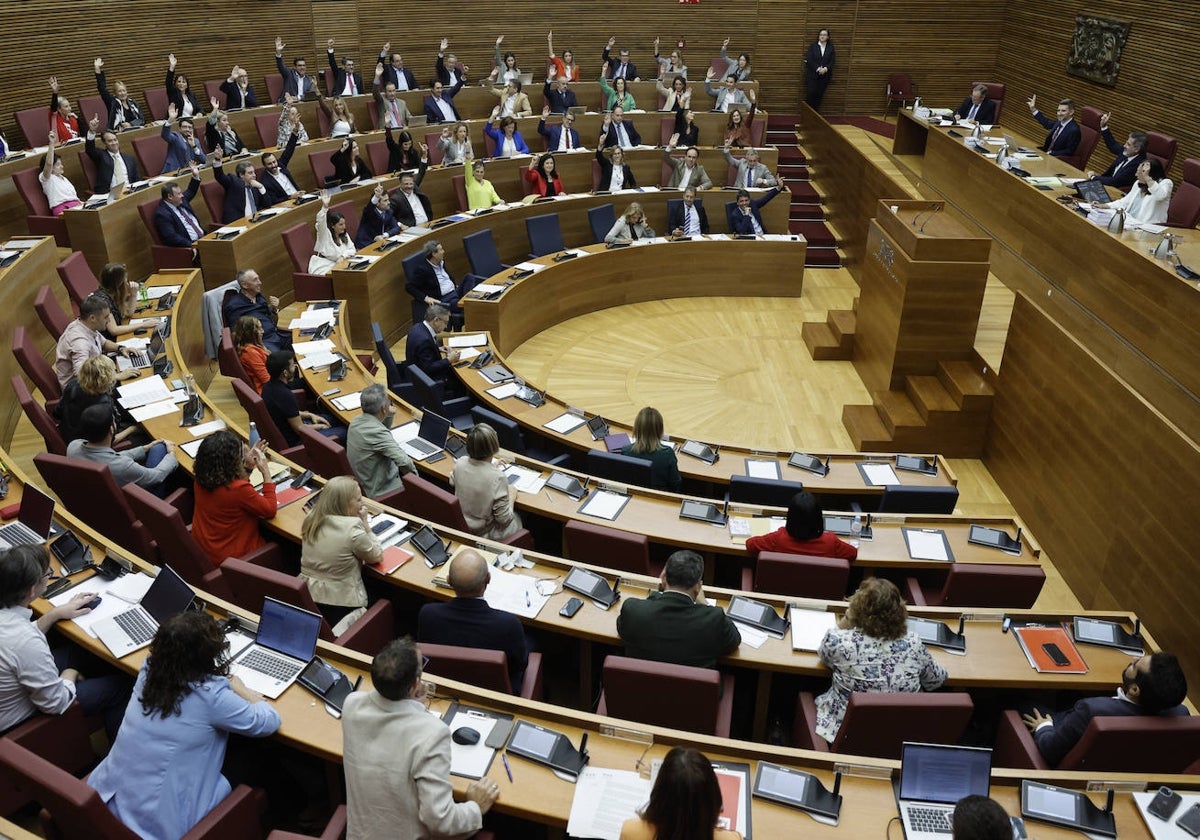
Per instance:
(837,783)
(962,624)
(1108,804)
(932,207)
(936,210)
(1137,626)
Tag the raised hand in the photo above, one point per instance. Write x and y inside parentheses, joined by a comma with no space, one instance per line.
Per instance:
(54,83)
(195,167)
(545,112)
(500,40)
(445,43)
(1032,103)
(93,124)
(345,144)
(329,44)
(387,48)
(378,69)
(673,141)
(216,105)
(279,45)
(98,64)
(1104,119)
(710,74)
(325,198)
(612,42)
(656,45)
(725,44)
(172,112)
(424,149)
(172,61)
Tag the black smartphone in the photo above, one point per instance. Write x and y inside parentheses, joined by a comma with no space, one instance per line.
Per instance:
(1190,821)
(1165,803)
(95,602)
(570,608)
(302,479)
(1055,653)
(436,456)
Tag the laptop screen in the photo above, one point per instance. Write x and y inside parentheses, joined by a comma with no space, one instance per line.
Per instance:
(168,595)
(434,429)
(937,773)
(288,630)
(36,511)
(157,345)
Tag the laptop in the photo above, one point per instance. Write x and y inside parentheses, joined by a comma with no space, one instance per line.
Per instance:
(933,777)
(418,120)
(284,645)
(33,520)
(145,358)
(525,79)
(430,439)
(134,628)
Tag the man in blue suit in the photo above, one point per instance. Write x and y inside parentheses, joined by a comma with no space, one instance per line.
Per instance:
(559,138)
(1122,172)
(183,147)
(421,348)
(296,80)
(1064,134)
(174,220)
(1152,685)
(378,221)
(977,107)
(244,194)
(746,218)
(439,107)
(560,98)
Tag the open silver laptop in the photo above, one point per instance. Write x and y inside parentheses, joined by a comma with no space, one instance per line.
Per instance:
(430,439)
(35,518)
(134,628)
(145,358)
(933,777)
(284,645)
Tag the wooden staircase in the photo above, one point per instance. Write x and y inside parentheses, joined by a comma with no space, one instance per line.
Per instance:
(832,340)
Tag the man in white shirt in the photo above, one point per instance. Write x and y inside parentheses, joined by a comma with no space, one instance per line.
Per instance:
(727,96)
(687,172)
(113,167)
(410,206)
(439,107)
(279,183)
(82,339)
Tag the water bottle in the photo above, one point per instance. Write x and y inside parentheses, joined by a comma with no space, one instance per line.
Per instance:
(143,294)
(254,438)
(916,104)
(1117,223)
(856,529)
(189,387)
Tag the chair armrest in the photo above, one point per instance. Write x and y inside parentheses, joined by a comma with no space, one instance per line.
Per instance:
(268,556)
(63,740)
(531,684)
(214,583)
(334,830)
(747,579)
(237,817)
(371,632)
(1015,746)
(725,707)
(298,455)
(521,539)
(184,502)
(914,592)
(804,729)
(457,405)
(392,498)
(301,396)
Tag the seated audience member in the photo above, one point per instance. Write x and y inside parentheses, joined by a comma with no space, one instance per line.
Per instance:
(183,146)
(63,121)
(179,91)
(228,508)
(397,758)
(689,218)
(977,107)
(1150,197)
(1151,685)
(480,192)
(747,216)
(448,70)
(738,128)
(804,533)
(678,97)
(647,444)
(739,66)
(60,192)
(685,801)
(123,111)
(279,183)
(1121,172)
(687,133)
(615,173)
(617,95)
(560,97)
(670,64)
(333,243)
(439,105)
(620,68)
(505,135)
(630,226)
(393,111)
(282,404)
(346,82)
(93,386)
(244,193)
(559,138)
(341,118)
(403,153)
(337,543)
(728,95)
(675,625)
(506,69)
(163,774)
(250,301)
(688,172)
(751,172)
(513,101)
(219,134)
(980,818)
(543,174)
(247,336)
(466,620)
(297,84)
(348,166)
(562,68)
(455,143)
(421,346)
(411,207)
(120,295)
(146,466)
(33,678)
(394,70)
(1063,134)
(82,340)
(113,167)
(376,458)
(239,93)
(377,220)
(482,488)
(431,281)
(290,125)
(872,649)
(618,131)
(174,219)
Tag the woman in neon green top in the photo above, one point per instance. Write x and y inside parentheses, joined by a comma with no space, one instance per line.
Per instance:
(619,95)
(480,192)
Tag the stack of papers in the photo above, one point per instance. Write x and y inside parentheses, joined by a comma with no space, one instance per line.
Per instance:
(474,340)
(155,292)
(142,392)
(525,479)
(349,402)
(564,423)
(303,348)
(878,473)
(310,319)
(517,594)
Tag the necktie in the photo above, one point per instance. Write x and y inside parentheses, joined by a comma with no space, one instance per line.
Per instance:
(395,114)
(622,137)
(974,111)
(749,177)
(688,221)
(567,132)
(353,90)
(191,222)
(1054,137)
(633,232)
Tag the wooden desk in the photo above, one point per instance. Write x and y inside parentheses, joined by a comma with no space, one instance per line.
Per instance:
(19,285)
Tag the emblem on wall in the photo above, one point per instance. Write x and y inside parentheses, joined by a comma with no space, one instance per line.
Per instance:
(1096,48)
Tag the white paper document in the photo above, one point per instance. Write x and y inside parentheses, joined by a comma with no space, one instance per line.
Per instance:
(604,504)
(756,468)
(926,545)
(471,760)
(525,479)
(310,319)
(476,340)
(155,292)
(488,288)
(348,402)
(751,636)
(880,474)
(809,627)
(207,428)
(604,799)
(517,594)
(155,409)
(322,345)
(191,447)
(143,392)
(503,392)
(564,423)
(318,359)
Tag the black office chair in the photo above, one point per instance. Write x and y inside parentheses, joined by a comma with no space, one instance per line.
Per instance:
(397,381)
(482,255)
(762,491)
(545,235)
(899,499)
(430,395)
(601,219)
(730,207)
(512,438)
(617,467)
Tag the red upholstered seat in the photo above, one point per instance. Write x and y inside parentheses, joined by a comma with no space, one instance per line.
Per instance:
(53,317)
(877,724)
(980,585)
(77,276)
(40,221)
(482,668)
(800,575)
(661,694)
(164,256)
(597,545)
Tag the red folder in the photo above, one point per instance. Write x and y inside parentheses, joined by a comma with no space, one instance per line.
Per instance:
(1033,638)
(393,558)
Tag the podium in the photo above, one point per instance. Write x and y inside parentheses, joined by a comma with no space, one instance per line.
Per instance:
(922,286)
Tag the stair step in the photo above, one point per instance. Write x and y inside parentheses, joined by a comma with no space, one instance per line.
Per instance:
(806,212)
(804,193)
(817,234)
(822,258)
(930,397)
(822,344)
(897,411)
(843,322)
(866,428)
(966,386)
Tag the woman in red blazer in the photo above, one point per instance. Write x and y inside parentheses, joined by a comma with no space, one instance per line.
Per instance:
(544,176)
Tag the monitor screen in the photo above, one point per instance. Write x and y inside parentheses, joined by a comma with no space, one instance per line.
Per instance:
(583,580)
(168,595)
(534,740)
(775,781)
(289,630)
(697,510)
(746,610)
(1090,630)
(434,428)
(990,536)
(936,773)
(1053,803)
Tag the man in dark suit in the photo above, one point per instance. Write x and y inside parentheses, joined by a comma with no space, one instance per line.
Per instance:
(279,182)
(558,95)
(687,218)
(296,80)
(1063,133)
(622,67)
(421,347)
(467,621)
(675,625)
(346,82)
(431,281)
(250,301)
(448,70)
(377,220)
(409,203)
(618,131)
(977,107)
(112,165)
(746,219)
(1150,685)
(183,147)
(394,70)
(244,194)
(439,105)
(239,93)
(559,138)
(1123,171)
(174,219)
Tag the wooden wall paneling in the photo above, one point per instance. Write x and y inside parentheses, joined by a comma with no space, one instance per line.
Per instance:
(19,284)
(1102,478)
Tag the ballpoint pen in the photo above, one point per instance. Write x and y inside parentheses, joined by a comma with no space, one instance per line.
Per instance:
(507,769)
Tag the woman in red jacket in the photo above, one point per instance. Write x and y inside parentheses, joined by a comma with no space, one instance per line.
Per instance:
(228,508)
(544,176)
(804,533)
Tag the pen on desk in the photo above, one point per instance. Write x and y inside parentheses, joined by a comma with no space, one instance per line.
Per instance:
(548,496)
(507,769)
(528,603)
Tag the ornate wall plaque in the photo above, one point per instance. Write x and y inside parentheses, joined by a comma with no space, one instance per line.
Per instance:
(1096,48)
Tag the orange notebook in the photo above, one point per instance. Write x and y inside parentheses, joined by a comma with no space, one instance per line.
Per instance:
(285,497)
(1035,640)
(734,779)
(393,558)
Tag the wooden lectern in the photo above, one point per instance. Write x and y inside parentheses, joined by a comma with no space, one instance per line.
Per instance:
(922,286)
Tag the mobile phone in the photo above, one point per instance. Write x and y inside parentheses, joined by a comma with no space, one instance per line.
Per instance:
(95,602)
(570,608)
(331,392)
(1165,803)
(436,456)
(1055,653)
(1190,821)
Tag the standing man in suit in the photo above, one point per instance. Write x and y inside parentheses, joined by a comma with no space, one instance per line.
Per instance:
(1152,685)
(687,172)
(422,350)
(174,218)
(688,218)
(747,216)
(439,105)
(448,70)
(279,182)
(411,206)
(245,195)
(977,107)
(123,112)
(559,138)
(675,625)
(394,70)
(239,93)
(467,621)
(183,147)
(618,131)
(558,95)
(345,81)
(750,171)
(113,166)
(397,758)
(393,111)
(1064,134)
(1122,172)
(296,80)
(622,67)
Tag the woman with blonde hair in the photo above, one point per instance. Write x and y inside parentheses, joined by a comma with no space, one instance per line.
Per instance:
(94,385)
(247,337)
(455,144)
(615,173)
(337,543)
(647,444)
(341,120)
(482,488)
(630,227)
